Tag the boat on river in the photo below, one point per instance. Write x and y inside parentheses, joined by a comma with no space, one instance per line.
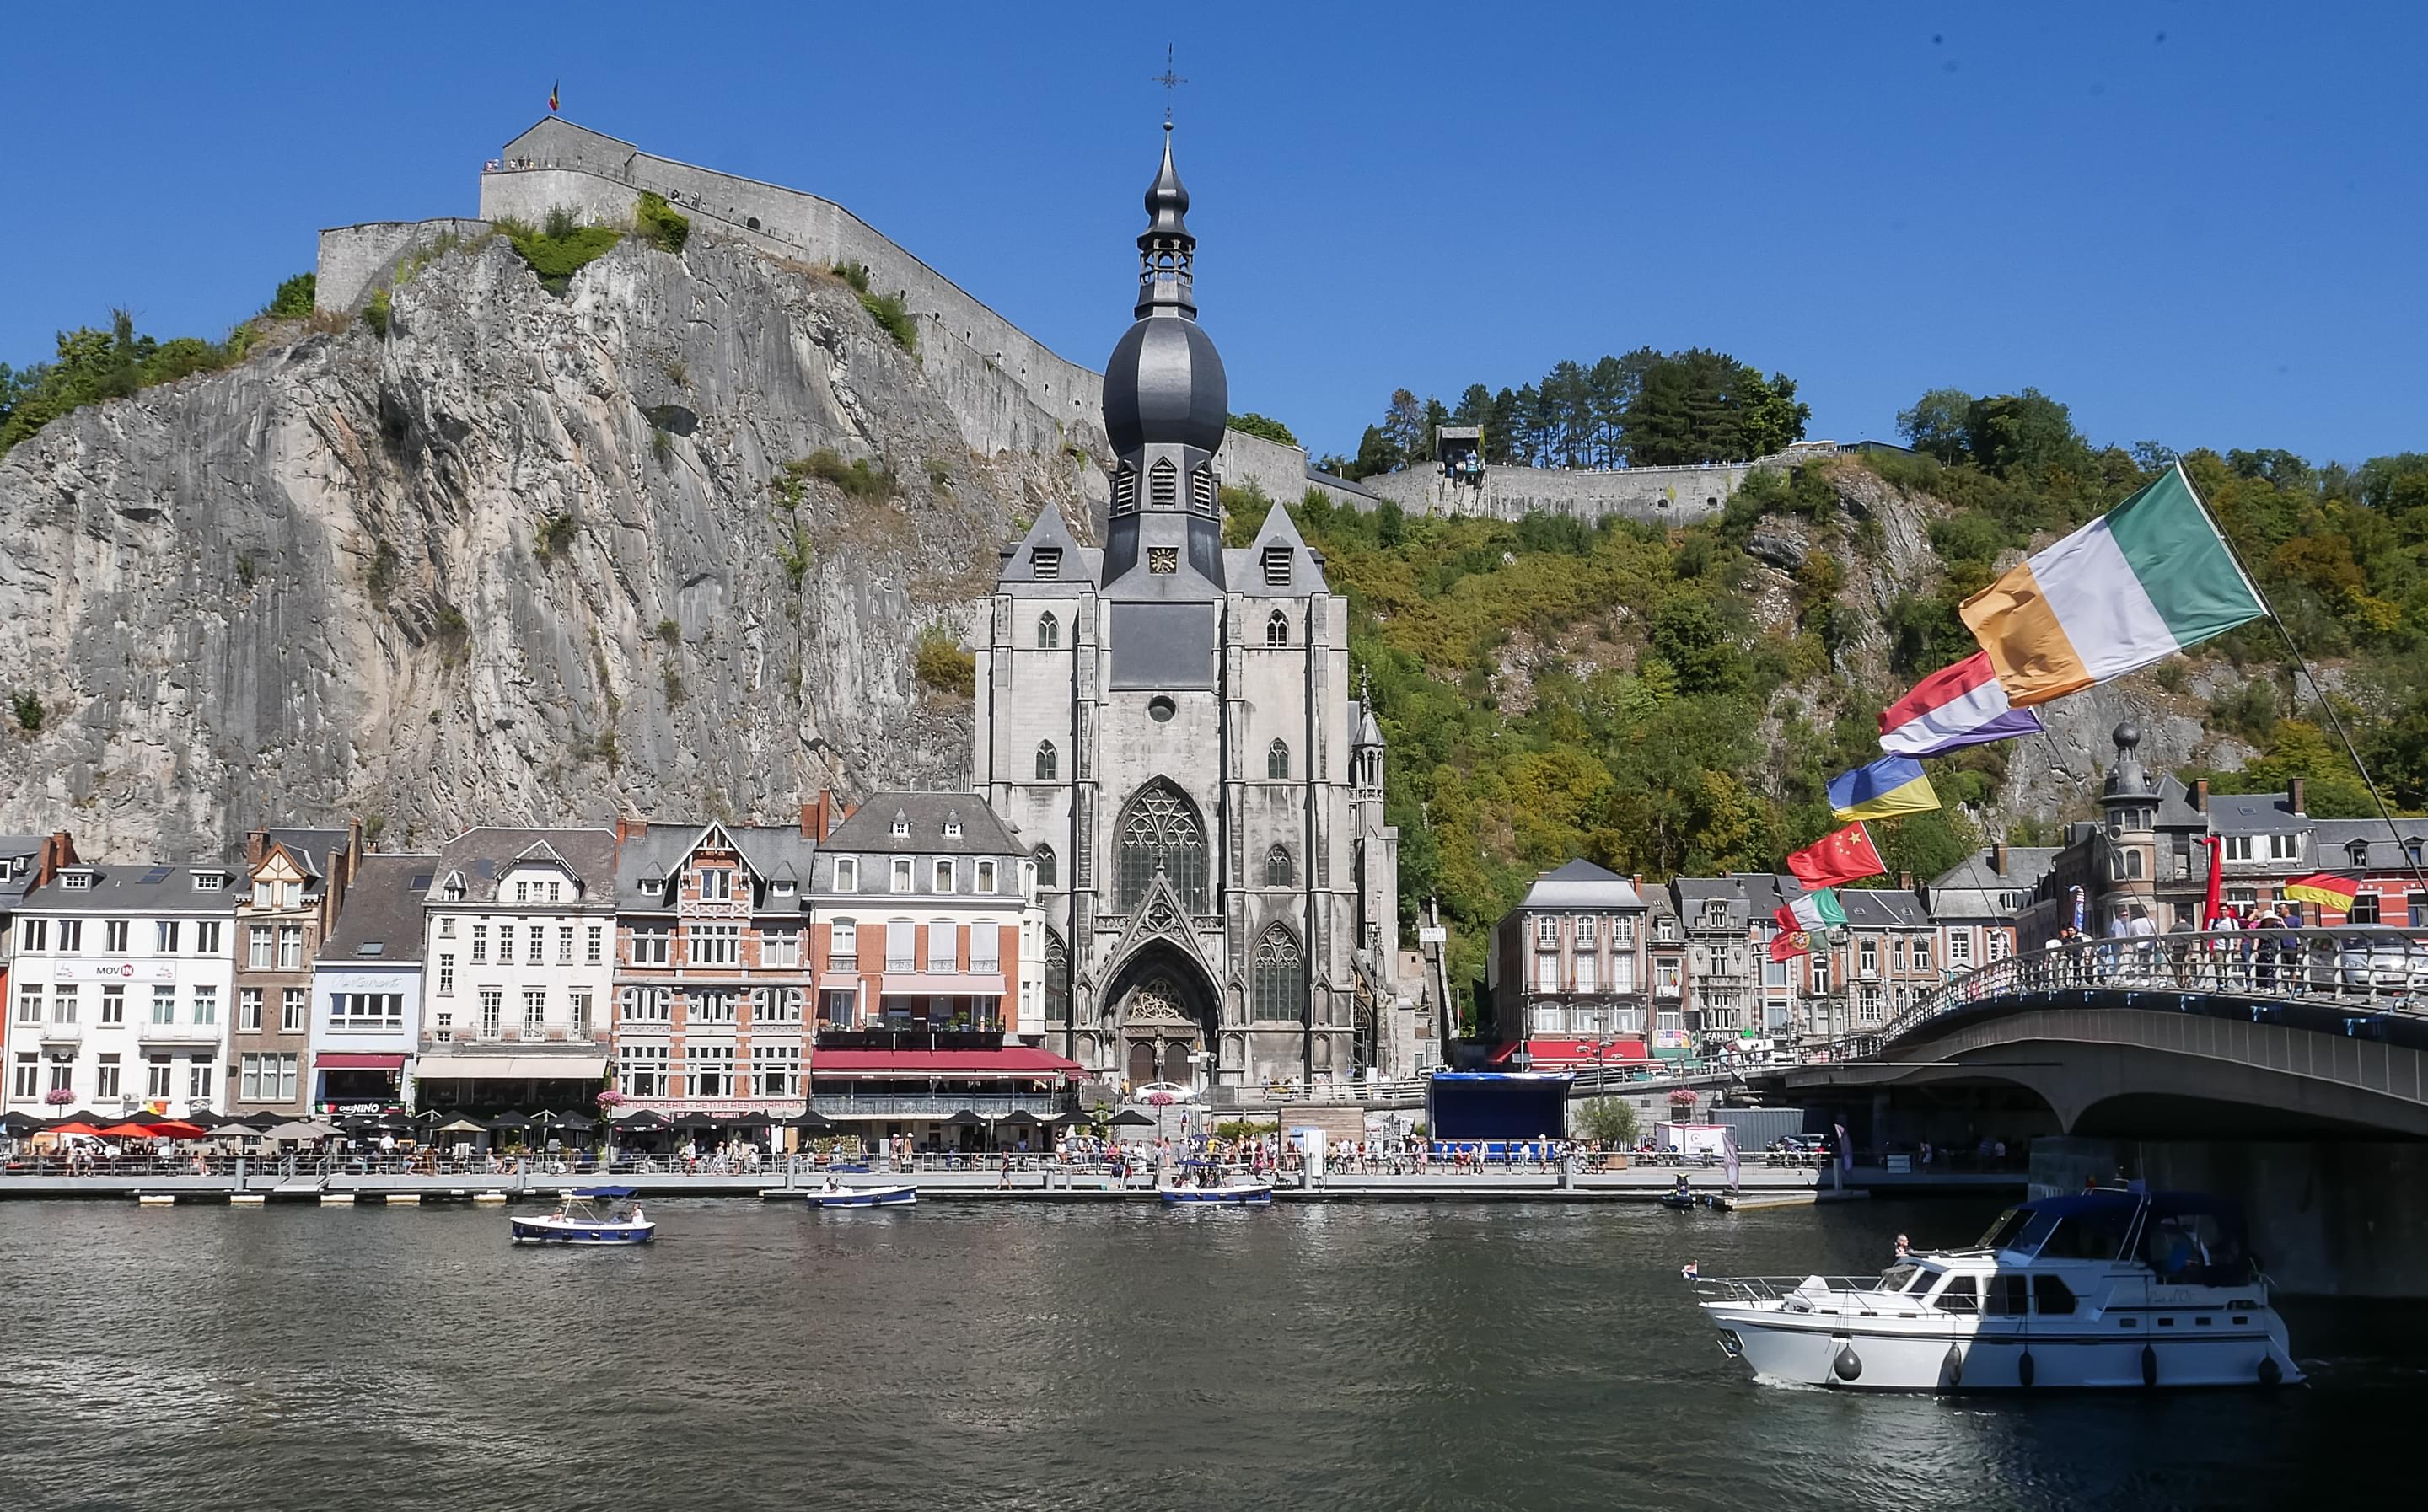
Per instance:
(2105,1289)
(595,1215)
(835,1194)
(1240,1190)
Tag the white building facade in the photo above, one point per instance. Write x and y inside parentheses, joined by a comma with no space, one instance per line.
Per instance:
(520,952)
(122,980)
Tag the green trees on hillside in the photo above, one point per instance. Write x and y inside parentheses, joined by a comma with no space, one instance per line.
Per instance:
(1643,409)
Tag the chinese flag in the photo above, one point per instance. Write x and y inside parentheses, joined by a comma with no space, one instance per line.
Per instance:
(1841,856)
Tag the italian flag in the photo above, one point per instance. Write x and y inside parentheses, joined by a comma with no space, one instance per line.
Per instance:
(2143,581)
(1818,910)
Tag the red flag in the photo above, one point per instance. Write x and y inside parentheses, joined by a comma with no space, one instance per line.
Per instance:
(1841,856)
(2212,905)
(1786,945)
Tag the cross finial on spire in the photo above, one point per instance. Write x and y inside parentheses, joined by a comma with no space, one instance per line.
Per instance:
(1171,80)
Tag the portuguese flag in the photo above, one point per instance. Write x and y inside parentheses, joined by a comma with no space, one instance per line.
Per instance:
(2328,890)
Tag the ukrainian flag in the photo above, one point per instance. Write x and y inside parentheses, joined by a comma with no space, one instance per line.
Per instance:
(1892,785)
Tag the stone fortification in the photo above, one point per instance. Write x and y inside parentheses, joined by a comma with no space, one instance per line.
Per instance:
(1011,393)
(355,260)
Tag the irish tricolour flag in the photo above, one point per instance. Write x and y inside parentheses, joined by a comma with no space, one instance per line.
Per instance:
(2141,582)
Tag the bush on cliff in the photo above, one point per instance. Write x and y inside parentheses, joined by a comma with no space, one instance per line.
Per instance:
(941,665)
(295,297)
(560,249)
(660,225)
(92,366)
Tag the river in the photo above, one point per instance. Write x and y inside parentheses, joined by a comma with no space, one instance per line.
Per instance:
(978,1356)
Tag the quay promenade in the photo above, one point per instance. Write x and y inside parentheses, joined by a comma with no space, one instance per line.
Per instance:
(1045,1182)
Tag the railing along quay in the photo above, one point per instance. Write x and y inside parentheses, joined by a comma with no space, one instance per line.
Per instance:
(2362,972)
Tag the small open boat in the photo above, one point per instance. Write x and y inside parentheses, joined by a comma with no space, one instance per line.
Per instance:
(595,1215)
(1231,1192)
(837,1196)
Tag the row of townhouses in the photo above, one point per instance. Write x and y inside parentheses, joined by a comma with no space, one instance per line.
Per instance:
(690,967)
(1591,966)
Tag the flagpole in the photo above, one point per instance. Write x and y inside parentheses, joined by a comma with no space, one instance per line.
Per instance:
(2318,691)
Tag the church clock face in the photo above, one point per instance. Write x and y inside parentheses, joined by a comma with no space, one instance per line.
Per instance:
(1163,561)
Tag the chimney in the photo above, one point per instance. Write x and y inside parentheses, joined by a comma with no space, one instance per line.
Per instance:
(2199,796)
(1999,857)
(2297,791)
(354,844)
(629,828)
(815,821)
(256,845)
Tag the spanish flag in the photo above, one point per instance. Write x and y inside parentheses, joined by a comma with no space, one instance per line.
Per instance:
(2328,890)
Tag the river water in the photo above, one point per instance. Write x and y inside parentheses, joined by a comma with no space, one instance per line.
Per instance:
(977,1356)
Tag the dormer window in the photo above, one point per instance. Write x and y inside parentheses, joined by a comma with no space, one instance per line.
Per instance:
(76,881)
(901,828)
(846,873)
(653,883)
(1277,567)
(1045,561)
(783,889)
(209,881)
(952,826)
(454,891)
(2358,851)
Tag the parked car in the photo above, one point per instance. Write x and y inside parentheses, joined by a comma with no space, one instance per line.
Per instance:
(2380,959)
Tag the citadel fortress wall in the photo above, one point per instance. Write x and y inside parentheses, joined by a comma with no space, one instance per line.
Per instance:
(1006,389)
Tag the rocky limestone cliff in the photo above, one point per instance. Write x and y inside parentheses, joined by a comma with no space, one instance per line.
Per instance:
(526,558)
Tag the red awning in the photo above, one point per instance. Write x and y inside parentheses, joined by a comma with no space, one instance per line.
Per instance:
(1003,1061)
(358,1061)
(1563,1054)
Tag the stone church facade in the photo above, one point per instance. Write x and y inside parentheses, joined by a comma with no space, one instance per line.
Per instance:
(1171,726)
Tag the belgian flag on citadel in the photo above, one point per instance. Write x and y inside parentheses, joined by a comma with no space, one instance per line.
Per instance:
(552,96)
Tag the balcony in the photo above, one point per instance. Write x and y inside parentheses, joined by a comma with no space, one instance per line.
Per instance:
(942,984)
(62,1034)
(154,1033)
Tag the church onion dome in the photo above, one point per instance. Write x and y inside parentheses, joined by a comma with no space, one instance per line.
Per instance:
(1164,383)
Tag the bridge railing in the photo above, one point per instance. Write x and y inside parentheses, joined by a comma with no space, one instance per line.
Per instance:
(2374,969)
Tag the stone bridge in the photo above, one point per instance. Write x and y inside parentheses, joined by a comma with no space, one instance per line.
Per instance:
(2287,1069)
(2298,1033)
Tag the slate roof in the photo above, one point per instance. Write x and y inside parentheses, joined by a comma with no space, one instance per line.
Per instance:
(2254,814)
(774,853)
(310,849)
(1582,885)
(138,888)
(1971,888)
(485,854)
(383,906)
(1752,896)
(1081,566)
(18,854)
(1881,908)
(2331,837)
(870,828)
(1244,570)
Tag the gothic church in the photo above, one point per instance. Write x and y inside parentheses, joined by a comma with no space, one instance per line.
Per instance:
(1170,724)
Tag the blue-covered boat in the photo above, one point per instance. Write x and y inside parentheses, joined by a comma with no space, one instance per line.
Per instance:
(835,1194)
(595,1215)
(1241,1191)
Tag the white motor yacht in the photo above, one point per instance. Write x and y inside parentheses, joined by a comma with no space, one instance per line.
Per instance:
(2106,1288)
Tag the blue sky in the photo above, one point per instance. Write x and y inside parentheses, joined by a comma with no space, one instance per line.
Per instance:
(2197,223)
